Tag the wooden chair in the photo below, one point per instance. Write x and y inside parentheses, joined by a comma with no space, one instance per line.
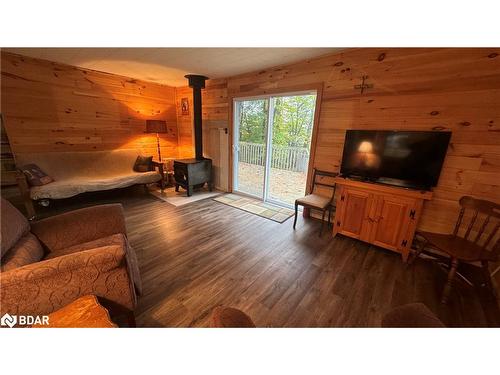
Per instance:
(315,201)
(411,315)
(229,317)
(472,240)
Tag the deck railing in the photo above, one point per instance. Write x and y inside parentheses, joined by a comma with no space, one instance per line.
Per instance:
(283,157)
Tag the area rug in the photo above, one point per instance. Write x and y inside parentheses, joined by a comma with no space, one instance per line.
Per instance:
(180,198)
(256,207)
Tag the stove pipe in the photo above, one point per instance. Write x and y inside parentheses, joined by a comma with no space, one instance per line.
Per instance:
(197,82)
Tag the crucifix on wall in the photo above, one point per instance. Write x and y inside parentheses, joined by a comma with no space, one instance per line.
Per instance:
(364,85)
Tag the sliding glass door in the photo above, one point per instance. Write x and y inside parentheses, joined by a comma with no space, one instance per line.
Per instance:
(271,146)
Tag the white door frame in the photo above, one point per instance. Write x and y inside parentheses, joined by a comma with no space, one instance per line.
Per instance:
(236,142)
(269,148)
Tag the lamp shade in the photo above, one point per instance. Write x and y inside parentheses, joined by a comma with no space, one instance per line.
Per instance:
(365,146)
(156,126)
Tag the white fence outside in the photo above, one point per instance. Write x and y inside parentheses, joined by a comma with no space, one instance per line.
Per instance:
(283,157)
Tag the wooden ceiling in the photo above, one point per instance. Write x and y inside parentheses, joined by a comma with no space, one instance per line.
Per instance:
(169,65)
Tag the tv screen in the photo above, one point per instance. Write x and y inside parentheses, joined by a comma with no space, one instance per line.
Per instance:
(404,158)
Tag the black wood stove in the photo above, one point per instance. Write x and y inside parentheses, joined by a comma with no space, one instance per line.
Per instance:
(194,173)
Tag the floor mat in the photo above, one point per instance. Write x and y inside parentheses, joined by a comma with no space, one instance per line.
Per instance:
(256,207)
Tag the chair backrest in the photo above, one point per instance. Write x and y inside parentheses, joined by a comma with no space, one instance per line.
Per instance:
(478,222)
(317,174)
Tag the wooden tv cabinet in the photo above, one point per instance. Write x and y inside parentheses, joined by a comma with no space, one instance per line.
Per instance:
(382,215)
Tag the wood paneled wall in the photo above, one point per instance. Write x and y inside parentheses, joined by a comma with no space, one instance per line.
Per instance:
(55,107)
(51,107)
(413,89)
(185,123)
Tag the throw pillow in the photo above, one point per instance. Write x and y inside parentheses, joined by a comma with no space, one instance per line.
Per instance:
(143,164)
(35,176)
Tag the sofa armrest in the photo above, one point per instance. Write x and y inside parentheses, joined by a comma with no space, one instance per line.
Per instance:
(43,287)
(24,189)
(79,226)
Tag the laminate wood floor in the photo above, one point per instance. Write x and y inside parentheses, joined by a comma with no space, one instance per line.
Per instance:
(195,257)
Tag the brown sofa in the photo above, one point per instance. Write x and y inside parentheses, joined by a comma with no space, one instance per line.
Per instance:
(47,264)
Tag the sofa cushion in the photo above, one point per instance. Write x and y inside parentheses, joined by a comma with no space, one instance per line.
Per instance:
(113,240)
(26,251)
(35,176)
(14,226)
(143,163)
(70,187)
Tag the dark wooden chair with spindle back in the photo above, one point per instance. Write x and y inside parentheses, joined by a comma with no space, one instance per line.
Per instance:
(473,240)
(315,201)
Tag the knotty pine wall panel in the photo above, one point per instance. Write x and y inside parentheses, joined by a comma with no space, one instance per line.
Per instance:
(185,123)
(413,89)
(51,107)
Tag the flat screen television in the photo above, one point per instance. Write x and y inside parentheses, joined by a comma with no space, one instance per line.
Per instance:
(411,159)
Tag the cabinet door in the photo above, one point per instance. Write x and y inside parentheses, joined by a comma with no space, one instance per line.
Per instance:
(355,206)
(391,221)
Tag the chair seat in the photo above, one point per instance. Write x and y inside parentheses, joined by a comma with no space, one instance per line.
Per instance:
(458,247)
(314,201)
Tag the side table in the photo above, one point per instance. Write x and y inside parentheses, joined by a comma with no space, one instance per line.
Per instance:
(85,312)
